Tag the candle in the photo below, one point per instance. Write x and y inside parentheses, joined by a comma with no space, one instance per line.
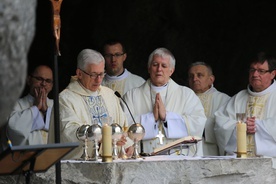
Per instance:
(241,139)
(106,143)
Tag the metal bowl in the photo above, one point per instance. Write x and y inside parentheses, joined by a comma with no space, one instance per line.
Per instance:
(136,132)
(117,131)
(94,132)
(81,132)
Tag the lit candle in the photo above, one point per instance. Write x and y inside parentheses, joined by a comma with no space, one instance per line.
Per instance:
(241,140)
(106,143)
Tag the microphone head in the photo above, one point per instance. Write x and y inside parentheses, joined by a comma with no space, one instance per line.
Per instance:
(117,94)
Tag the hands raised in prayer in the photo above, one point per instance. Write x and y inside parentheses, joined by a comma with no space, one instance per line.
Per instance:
(40,99)
(159,110)
(251,125)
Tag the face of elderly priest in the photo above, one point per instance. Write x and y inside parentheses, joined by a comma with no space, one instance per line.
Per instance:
(90,71)
(200,77)
(160,66)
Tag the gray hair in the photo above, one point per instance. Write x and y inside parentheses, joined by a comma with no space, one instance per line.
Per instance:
(89,56)
(209,68)
(162,52)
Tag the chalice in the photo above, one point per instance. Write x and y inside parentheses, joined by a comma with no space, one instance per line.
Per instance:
(117,133)
(81,134)
(94,133)
(136,133)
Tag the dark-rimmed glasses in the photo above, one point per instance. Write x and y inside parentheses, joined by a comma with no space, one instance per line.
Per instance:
(41,79)
(94,75)
(116,55)
(260,71)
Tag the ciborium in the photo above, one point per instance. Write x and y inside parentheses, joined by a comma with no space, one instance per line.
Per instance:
(81,134)
(117,133)
(94,133)
(136,133)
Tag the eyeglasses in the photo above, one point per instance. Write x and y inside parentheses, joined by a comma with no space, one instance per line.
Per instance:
(40,79)
(116,55)
(94,75)
(260,71)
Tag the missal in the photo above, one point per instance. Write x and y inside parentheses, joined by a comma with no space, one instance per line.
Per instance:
(184,140)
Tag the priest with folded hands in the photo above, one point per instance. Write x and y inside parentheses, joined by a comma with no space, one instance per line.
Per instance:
(166,110)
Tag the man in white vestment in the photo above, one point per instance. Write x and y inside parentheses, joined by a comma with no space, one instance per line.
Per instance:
(117,77)
(29,121)
(201,80)
(85,101)
(166,110)
(258,102)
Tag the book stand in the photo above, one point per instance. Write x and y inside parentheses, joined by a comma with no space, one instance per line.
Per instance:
(31,159)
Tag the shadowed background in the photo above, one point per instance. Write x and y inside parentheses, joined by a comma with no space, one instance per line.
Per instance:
(223,34)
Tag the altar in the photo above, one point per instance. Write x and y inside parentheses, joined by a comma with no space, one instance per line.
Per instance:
(160,170)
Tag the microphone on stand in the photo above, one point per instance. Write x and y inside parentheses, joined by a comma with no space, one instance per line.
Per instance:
(141,141)
(119,96)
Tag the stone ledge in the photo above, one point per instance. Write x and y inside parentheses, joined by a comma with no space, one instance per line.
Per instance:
(200,171)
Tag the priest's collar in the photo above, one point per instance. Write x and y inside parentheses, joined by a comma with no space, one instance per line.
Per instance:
(271,88)
(119,77)
(158,88)
(89,92)
(212,89)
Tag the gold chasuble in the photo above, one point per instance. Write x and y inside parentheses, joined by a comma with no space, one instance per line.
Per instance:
(206,102)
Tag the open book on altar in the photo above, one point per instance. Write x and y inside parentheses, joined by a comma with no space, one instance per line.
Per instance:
(178,142)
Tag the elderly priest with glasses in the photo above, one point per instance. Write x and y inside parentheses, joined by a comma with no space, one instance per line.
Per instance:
(166,110)
(86,101)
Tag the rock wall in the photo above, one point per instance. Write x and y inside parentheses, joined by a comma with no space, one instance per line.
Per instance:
(17,28)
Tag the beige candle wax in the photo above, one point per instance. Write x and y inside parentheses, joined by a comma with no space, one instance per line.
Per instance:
(107,141)
(241,137)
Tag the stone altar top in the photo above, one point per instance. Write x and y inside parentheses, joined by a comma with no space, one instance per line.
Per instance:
(162,170)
